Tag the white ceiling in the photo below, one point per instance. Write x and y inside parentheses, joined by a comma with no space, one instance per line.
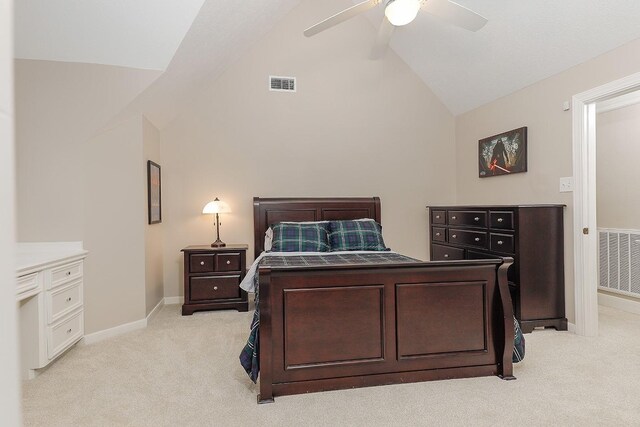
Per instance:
(524,42)
(131,33)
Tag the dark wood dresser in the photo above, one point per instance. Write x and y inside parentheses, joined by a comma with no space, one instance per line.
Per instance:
(532,235)
(212,277)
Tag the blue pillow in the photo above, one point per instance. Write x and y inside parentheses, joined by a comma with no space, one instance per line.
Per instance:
(300,237)
(356,236)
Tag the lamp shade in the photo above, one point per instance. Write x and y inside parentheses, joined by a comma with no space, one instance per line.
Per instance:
(401,12)
(216,206)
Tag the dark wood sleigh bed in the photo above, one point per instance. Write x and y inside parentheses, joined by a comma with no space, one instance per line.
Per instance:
(336,327)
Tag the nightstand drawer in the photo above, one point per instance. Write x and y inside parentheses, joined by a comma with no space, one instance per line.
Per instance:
(214,287)
(228,262)
(202,263)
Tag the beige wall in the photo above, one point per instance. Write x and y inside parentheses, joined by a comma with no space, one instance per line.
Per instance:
(74,185)
(539,107)
(355,127)
(10,392)
(618,151)
(154,289)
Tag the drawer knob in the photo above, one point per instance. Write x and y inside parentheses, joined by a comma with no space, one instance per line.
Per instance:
(201,262)
(215,288)
(476,219)
(69,299)
(500,219)
(454,236)
(477,239)
(446,255)
(437,234)
(68,273)
(499,242)
(437,216)
(453,217)
(228,262)
(69,330)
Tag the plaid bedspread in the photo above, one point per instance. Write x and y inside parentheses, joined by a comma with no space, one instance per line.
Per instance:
(250,355)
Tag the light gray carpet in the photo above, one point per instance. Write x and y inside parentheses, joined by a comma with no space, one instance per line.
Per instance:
(184,371)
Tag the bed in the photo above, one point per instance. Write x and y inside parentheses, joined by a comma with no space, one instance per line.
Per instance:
(336,326)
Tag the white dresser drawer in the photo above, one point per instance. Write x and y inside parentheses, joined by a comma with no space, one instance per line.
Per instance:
(65,273)
(27,286)
(63,300)
(63,334)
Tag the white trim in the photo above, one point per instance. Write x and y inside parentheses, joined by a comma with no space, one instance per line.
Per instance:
(114,332)
(155,310)
(623,304)
(584,199)
(173,300)
(618,102)
(571,327)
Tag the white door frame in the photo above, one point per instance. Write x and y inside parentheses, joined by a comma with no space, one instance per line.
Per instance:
(585,246)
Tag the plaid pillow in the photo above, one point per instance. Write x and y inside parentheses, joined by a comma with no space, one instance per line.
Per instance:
(356,236)
(300,237)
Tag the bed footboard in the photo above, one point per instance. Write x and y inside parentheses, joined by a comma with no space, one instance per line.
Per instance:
(335,327)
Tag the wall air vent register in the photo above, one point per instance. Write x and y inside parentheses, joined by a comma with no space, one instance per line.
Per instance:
(282,84)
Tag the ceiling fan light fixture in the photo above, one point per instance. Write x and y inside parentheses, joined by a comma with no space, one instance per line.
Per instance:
(401,12)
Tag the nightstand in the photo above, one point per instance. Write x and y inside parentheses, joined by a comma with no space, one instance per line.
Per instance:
(212,277)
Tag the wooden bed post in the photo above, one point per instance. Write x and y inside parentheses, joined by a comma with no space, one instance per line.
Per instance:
(506,368)
(265,338)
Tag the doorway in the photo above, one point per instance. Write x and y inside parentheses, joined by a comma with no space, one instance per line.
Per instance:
(584,198)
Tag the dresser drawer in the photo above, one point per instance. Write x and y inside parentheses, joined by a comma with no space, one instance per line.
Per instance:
(468,218)
(228,262)
(438,217)
(446,253)
(501,219)
(438,234)
(63,300)
(27,286)
(66,273)
(468,237)
(502,243)
(214,287)
(63,334)
(202,263)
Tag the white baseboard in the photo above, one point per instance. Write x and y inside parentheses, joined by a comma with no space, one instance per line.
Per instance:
(623,304)
(173,300)
(571,327)
(114,332)
(155,310)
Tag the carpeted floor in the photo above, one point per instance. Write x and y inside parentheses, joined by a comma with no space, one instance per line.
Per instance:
(184,371)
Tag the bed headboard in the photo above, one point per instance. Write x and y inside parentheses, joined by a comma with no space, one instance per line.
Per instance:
(271,211)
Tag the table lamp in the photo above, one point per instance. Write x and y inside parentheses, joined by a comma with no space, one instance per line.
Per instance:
(216,207)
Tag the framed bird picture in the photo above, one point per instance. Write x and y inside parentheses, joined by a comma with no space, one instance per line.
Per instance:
(503,154)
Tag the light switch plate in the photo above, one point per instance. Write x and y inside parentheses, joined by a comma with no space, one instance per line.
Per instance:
(566,184)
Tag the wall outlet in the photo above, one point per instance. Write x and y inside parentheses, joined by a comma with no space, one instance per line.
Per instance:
(566,184)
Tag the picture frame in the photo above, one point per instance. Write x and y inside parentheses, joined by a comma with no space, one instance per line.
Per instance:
(503,154)
(154,192)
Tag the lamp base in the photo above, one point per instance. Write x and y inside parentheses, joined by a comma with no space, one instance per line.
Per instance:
(218,244)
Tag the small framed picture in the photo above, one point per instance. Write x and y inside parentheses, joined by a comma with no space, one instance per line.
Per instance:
(503,154)
(154,192)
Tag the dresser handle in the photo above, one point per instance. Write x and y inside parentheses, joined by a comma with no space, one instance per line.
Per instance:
(437,216)
(215,288)
(446,255)
(477,239)
(453,217)
(201,262)
(499,242)
(500,219)
(228,262)
(438,234)
(69,330)
(476,219)
(69,299)
(68,273)
(454,236)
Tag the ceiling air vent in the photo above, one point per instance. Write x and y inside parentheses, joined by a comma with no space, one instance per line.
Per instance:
(282,84)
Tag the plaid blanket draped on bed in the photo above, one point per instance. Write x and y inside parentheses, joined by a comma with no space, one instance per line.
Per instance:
(250,355)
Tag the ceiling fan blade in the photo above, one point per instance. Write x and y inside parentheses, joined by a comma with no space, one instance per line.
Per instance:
(455,14)
(382,40)
(341,17)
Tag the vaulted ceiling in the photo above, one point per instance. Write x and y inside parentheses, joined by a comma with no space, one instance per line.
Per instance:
(524,41)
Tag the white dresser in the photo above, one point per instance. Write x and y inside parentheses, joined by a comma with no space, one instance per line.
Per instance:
(50,301)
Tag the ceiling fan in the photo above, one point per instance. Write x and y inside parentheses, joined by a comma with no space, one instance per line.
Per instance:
(401,12)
